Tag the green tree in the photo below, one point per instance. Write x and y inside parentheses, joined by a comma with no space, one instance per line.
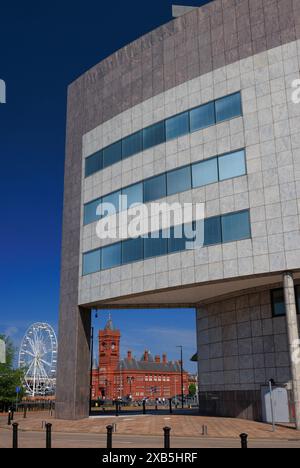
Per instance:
(192,389)
(10,378)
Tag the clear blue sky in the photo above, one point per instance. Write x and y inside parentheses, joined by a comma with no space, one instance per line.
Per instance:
(43,47)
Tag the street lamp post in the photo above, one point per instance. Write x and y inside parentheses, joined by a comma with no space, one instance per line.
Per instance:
(181,374)
(91,371)
(130,380)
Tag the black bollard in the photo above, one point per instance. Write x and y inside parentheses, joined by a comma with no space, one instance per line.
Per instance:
(170,405)
(117,408)
(9,418)
(144,406)
(48,435)
(25,411)
(12,414)
(244,441)
(167,431)
(109,436)
(15,435)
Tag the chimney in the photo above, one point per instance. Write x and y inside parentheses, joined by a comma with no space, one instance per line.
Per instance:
(146,355)
(157,359)
(164,358)
(129,355)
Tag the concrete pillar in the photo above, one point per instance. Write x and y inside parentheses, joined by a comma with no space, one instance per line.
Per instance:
(293,338)
(74,362)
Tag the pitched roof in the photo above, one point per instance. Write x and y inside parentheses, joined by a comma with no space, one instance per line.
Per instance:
(148,366)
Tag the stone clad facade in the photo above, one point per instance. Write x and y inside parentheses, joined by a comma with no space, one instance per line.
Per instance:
(227,46)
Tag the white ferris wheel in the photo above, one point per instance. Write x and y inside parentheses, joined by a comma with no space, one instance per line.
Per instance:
(38,357)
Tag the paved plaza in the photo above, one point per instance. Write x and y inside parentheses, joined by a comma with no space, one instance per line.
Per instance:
(146,431)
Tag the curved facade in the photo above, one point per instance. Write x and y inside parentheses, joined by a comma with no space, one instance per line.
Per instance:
(210,95)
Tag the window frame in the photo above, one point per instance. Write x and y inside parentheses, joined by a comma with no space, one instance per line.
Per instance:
(178,169)
(100,153)
(232,214)
(174,117)
(91,252)
(274,315)
(212,103)
(227,97)
(118,142)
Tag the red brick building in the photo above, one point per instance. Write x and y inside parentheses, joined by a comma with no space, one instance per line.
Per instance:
(148,377)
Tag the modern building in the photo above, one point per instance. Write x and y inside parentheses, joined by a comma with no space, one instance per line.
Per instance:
(198,110)
(131,378)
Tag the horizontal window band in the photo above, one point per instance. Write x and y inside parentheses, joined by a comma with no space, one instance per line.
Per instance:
(198,118)
(221,229)
(199,174)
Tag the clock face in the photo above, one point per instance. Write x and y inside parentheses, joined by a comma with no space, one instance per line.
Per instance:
(113,346)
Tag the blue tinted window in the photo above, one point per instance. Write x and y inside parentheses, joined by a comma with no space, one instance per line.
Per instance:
(212,231)
(134,194)
(154,135)
(297,291)
(132,250)
(113,199)
(232,165)
(278,304)
(112,154)
(202,117)
(179,180)
(236,226)
(177,126)
(111,256)
(155,188)
(90,211)
(91,262)
(155,246)
(133,144)
(93,163)
(179,236)
(228,107)
(205,172)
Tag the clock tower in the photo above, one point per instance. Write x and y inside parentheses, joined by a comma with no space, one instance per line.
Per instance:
(109,347)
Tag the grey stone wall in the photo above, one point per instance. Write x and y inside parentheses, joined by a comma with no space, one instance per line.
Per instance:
(217,34)
(241,345)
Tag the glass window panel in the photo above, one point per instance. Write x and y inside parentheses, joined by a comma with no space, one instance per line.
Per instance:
(278,305)
(297,292)
(228,107)
(90,211)
(155,188)
(113,199)
(205,172)
(212,231)
(132,144)
(179,236)
(232,165)
(91,262)
(134,194)
(155,246)
(111,256)
(154,135)
(179,180)
(236,226)
(93,163)
(112,154)
(202,117)
(177,126)
(132,250)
